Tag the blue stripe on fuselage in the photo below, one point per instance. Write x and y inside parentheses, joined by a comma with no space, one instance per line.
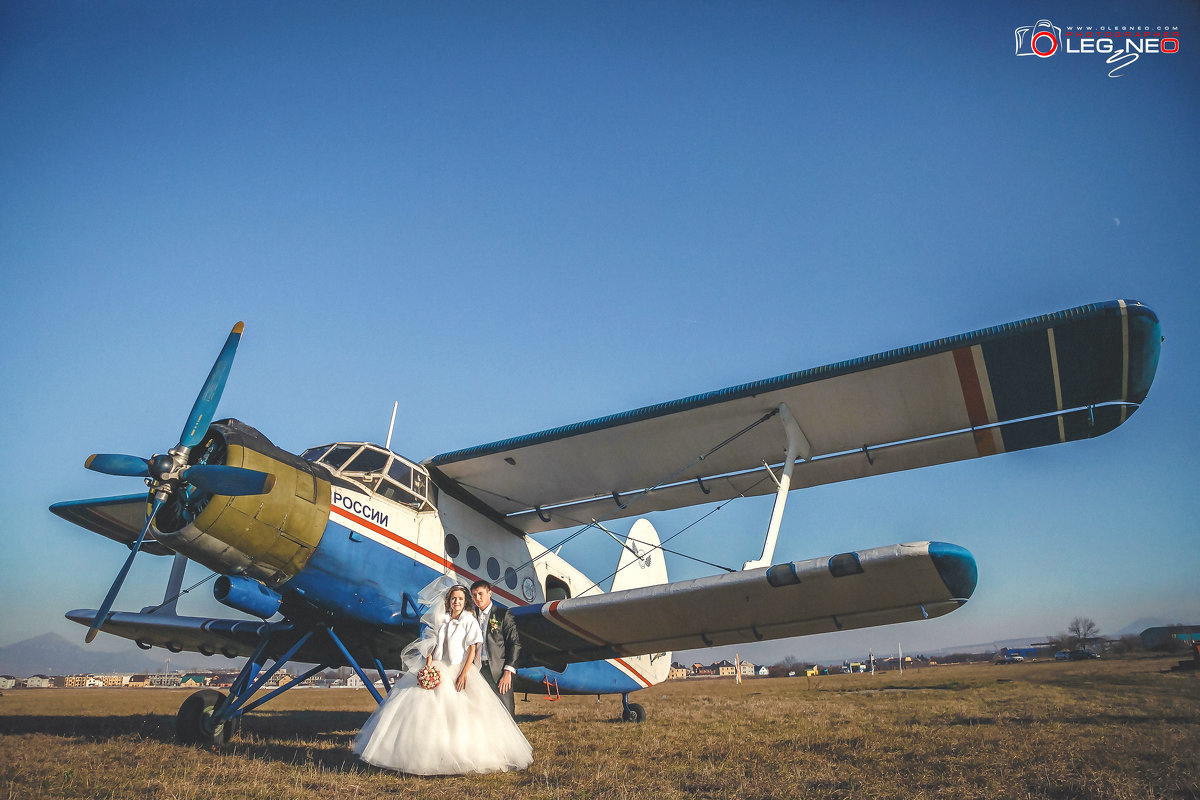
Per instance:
(361,578)
(376,594)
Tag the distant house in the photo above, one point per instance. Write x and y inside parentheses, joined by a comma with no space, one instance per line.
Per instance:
(37,682)
(7,682)
(76,681)
(164,680)
(725,669)
(763,671)
(748,670)
(678,671)
(193,679)
(138,681)
(94,683)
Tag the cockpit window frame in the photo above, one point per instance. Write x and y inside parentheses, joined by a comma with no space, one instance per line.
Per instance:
(418,492)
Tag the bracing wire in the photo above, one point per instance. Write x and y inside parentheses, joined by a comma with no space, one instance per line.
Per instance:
(667,480)
(169,600)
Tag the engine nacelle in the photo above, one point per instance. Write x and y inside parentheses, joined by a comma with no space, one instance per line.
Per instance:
(267,537)
(246,595)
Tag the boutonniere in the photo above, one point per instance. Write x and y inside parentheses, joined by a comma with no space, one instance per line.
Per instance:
(493,624)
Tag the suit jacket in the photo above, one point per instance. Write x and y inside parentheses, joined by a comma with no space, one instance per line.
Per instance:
(501,640)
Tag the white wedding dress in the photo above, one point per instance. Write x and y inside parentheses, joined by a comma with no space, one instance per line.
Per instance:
(443,731)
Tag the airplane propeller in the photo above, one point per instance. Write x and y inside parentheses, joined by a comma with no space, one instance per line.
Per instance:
(170,476)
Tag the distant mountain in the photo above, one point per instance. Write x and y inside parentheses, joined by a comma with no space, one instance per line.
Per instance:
(51,654)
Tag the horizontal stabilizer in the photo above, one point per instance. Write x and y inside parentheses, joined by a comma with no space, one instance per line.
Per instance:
(880,586)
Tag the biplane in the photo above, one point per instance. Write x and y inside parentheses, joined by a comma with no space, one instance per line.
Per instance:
(325,551)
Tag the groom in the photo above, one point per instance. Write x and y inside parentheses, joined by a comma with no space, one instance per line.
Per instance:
(501,645)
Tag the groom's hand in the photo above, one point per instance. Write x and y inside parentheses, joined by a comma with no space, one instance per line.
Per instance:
(505,682)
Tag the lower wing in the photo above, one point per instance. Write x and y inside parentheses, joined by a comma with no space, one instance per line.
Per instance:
(861,589)
(234,638)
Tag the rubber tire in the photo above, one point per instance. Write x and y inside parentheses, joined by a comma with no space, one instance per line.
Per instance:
(635,714)
(191,722)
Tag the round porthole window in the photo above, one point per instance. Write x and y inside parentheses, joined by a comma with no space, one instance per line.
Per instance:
(473,557)
(452,545)
(510,578)
(493,568)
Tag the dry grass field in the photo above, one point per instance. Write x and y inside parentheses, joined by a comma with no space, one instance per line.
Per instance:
(1100,729)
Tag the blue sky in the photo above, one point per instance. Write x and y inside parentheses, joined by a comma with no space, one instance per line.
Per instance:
(510,217)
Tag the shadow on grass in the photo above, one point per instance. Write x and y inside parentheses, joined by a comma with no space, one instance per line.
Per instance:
(267,736)
(160,726)
(1082,719)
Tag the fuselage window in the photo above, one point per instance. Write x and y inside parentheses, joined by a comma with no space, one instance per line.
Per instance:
(473,557)
(556,589)
(452,545)
(493,568)
(510,578)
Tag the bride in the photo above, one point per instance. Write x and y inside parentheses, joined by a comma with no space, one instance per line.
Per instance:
(455,727)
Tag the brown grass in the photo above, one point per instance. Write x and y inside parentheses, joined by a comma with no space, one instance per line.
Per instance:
(1101,729)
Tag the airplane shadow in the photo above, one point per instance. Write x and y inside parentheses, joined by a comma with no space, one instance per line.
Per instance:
(160,727)
(268,736)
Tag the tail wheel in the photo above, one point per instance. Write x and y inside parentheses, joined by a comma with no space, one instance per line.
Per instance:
(194,723)
(635,713)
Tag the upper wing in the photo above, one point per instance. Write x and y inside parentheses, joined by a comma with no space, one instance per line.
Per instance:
(853,590)
(119,518)
(1055,378)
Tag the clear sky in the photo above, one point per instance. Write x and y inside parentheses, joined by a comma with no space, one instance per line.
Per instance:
(514,216)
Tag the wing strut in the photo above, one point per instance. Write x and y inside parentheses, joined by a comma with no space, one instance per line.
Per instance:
(797,445)
(172,593)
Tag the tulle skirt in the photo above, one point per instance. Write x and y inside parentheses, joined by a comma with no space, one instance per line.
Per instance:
(443,731)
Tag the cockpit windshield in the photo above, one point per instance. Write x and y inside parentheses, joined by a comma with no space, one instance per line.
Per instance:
(378,471)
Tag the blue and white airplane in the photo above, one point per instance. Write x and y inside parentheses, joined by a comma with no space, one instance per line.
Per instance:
(329,548)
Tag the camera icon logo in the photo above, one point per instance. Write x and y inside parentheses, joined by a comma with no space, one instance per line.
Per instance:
(1039,40)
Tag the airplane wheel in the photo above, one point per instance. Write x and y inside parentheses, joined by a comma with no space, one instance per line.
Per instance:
(193,722)
(635,713)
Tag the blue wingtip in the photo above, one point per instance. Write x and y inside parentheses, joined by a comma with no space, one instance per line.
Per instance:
(957,567)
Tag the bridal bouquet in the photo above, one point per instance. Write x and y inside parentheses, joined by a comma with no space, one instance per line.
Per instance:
(429,677)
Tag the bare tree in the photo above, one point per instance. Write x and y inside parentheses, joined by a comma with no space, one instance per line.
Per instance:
(1129,643)
(1062,641)
(1082,630)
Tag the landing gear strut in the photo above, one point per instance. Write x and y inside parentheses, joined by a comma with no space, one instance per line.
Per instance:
(631,712)
(210,718)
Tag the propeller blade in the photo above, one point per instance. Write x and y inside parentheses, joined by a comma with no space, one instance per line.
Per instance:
(106,606)
(210,394)
(115,464)
(228,481)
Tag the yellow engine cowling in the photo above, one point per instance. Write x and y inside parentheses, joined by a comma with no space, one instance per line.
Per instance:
(268,537)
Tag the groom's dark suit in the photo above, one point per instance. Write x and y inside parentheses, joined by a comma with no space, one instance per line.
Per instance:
(503,646)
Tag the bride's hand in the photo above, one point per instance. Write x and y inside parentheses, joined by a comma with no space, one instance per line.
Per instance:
(461,683)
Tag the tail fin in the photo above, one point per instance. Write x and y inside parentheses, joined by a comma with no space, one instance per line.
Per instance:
(642,564)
